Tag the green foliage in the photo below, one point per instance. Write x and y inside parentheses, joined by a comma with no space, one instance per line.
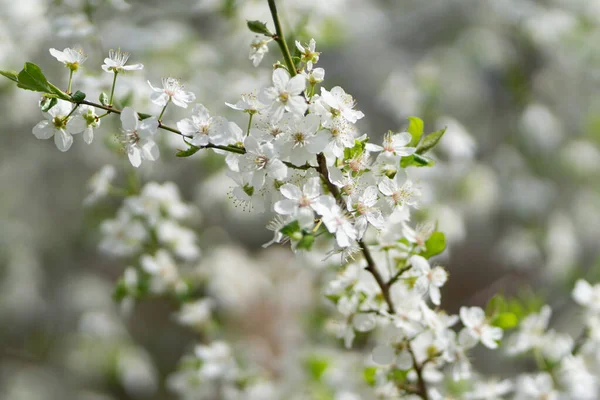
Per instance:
(434,245)
(416,160)
(189,152)
(505,320)
(306,242)
(32,78)
(430,141)
(415,128)
(290,228)
(259,27)
(316,366)
(369,374)
(78,96)
(12,75)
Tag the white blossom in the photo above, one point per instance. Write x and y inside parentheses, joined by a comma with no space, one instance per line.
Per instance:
(284,95)
(172,91)
(116,60)
(138,137)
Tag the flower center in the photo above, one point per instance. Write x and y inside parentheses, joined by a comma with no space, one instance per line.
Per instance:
(305,201)
(59,122)
(284,97)
(261,161)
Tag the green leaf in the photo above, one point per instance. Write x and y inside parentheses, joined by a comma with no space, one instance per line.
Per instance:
(78,96)
(306,242)
(430,141)
(317,366)
(496,305)
(12,75)
(259,27)
(32,78)
(505,320)
(434,245)
(369,373)
(47,103)
(189,152)
(416,160)
(415,128)
(144,116)
(290,228)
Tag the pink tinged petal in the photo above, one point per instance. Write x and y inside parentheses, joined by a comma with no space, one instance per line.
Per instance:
(286,207)
(296,85)
(280,79)
(150,150)
(160,99)
(63,140)
(129,119)
(277,169)
(582,293)
(291,192)
(135,156)
(88,135)
(43,130)
(133,67)
(201,112)
(297,105)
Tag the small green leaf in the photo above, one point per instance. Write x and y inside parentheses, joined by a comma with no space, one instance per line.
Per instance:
(259,27)
(496,305)
(47,103)
(505,320)
(306,242)
(103,99)
(290,228)
(416,160)
(369,373)
(434,245)
(189,152)
(415,128)
(317,366)
(78,96)
(430,141)
(32,78)
(144,116)
(12,75)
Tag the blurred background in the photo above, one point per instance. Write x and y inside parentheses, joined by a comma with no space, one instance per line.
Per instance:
(515,188)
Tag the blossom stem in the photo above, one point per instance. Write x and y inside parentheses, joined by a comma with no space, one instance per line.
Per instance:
(163,110)
(280,39)
(70,82)
(249,124)
(112,89)
(71,113)
(372,268)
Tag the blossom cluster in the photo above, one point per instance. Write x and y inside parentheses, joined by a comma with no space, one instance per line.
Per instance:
(304,160)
